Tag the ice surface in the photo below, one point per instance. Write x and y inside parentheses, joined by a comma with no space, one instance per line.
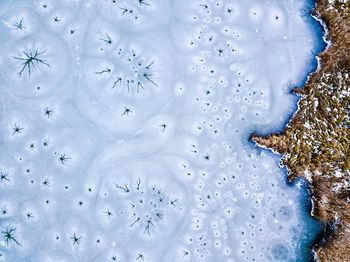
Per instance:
(124,130)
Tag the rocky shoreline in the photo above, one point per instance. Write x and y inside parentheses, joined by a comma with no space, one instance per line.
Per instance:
(316,143)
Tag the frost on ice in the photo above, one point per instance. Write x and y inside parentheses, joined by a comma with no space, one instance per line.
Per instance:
(125,125)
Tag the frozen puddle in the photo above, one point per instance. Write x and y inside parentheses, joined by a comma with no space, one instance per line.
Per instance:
(125,125)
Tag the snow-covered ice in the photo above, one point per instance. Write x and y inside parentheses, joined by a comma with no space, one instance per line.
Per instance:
(125,130)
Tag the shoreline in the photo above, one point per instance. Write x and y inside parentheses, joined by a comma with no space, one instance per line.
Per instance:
(312,68)
(319,172)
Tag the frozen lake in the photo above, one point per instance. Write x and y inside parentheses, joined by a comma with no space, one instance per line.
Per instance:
(125,130)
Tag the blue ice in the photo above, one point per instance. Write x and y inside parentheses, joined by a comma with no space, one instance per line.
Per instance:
(124,130)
